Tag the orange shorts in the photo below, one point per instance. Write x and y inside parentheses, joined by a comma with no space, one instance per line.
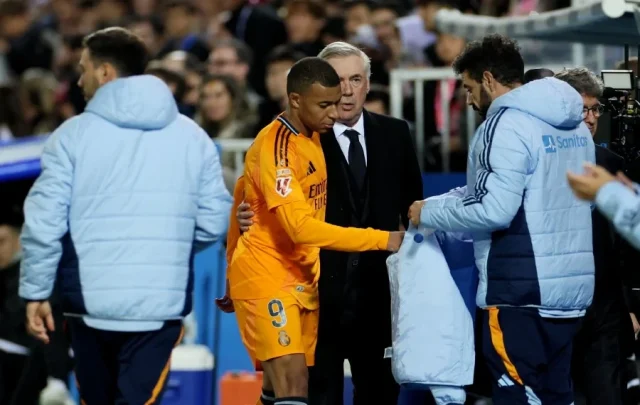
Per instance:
(276,327)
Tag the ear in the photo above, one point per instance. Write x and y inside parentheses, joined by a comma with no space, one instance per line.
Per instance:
(294,100)
(106,73)
(488,81)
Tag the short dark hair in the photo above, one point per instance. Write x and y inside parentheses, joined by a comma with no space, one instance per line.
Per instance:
(284,53)
(536,74)
(494,53)
(392,5)
(379,93)
(13,8)
(315,8)
(119,47)
(156,24)
(243,51)
(170,77)
(307,71)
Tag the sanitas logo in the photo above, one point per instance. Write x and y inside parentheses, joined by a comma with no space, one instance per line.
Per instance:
(563,142)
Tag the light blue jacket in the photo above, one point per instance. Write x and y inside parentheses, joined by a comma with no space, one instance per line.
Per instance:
(127,189)
(532,237)
(621,206)
(432,328)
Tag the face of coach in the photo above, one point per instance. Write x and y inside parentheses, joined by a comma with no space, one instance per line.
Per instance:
(353,68)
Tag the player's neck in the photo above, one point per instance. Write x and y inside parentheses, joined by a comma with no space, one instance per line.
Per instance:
(297,123)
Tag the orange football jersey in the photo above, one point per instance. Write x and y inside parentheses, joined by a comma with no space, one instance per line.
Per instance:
(285,182)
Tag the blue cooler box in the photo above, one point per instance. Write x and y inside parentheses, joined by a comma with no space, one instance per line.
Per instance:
(191,377)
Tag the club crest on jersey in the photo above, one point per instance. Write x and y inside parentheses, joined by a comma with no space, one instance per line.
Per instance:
(284,339)
(283,186)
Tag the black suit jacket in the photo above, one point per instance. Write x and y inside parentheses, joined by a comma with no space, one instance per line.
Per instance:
(608,263)
(610,298)
(356,286)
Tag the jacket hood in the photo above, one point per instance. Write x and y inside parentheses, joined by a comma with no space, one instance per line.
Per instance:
(139,102)
(550,100)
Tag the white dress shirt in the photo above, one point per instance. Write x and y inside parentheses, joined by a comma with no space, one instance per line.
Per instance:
(344,142)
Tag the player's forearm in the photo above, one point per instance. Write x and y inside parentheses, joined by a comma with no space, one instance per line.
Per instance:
(303,229)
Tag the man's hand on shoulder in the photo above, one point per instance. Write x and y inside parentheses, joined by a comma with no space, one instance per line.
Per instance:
(244,215)
(395,240)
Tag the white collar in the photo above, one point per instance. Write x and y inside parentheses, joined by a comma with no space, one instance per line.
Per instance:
(339,128)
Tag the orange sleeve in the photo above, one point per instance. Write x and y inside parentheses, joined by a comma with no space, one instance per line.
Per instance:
(276,171)
(234,228)
(283,194)
(298,222)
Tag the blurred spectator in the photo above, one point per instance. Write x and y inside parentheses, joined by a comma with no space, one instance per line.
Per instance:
(333,8)
(25,365)
(144,8)
(427,10)
(24,42)
(69,100)
(333,31)
(358,15)
(219,114)
(109,12)
(260,28)
(383,20)
(38,89)
(12,123)
(279,62)
(13,335)
(188,66)
(233,58)
(304,21)
(180,18)
(149,29)
(377,100)
(174,79)
(442,54)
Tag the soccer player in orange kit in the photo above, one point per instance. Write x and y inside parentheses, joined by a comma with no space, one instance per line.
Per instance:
(274,267)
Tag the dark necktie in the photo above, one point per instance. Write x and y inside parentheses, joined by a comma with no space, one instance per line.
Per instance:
(356,158)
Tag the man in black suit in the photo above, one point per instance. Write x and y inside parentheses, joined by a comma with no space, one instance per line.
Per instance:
(602,343)
(373,177)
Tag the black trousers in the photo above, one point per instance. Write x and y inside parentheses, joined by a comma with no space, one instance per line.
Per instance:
(362,344)
(122,368)
(599,354)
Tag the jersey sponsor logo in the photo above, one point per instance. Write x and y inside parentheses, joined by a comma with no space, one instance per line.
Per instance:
(318,195)
(284,339)
(551,144)
(283,186)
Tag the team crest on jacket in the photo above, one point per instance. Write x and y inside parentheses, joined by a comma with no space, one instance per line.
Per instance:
(283,186)
(284,339)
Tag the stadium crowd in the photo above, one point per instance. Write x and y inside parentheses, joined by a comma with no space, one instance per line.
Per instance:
(226,64)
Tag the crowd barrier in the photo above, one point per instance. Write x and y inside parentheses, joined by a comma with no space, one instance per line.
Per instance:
(216,330)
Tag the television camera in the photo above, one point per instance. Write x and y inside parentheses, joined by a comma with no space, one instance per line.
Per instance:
(620,99)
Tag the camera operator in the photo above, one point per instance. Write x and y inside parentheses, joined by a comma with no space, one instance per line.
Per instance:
(605,337)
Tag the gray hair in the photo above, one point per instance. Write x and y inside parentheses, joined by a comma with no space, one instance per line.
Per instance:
(583,80)
(343,49)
